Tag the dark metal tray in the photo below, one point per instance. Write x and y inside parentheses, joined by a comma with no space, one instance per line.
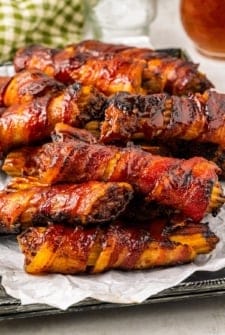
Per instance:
(199,285)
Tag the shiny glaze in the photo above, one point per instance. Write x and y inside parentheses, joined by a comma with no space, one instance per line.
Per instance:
(35,120)
(158,116)
(35,54)
(166,73)
(111,75)
(111,68)
(62,242)
(184,185)
(91,202)
(163,117)
(127,114)
(20,124)
(25,85)
(215,107)
(115,246)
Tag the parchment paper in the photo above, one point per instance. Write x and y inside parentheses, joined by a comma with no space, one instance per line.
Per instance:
(61,291)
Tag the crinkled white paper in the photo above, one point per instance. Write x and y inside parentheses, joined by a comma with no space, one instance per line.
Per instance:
(61,291)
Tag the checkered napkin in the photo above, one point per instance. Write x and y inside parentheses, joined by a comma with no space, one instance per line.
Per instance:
(48,22)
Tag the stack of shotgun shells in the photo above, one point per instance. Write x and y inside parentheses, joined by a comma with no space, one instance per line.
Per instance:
(115,155)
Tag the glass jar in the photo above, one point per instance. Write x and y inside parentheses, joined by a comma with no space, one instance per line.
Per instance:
(119,21)
(204,23)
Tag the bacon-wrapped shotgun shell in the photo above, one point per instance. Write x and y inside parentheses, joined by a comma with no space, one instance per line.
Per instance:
(165,118)
(162,117)
(188,186)
(128,69)
(35,120)
(92,202)
(25,85)
(97,249)
(107,75)
(163,72)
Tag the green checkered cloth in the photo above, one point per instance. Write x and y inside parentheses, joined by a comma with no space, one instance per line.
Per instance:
(49,22)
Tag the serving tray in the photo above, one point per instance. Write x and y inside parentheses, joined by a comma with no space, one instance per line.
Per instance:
(199,285)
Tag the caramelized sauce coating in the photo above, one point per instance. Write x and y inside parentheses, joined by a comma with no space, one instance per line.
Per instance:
(165,118)
(189,186)
(35,120)
(115,68)
(116,246)
(25,86)
(92,202)
(107,75)
(37,103)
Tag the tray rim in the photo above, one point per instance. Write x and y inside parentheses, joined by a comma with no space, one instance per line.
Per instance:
(11,308)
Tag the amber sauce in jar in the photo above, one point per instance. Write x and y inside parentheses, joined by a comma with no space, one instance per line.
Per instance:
(204,23)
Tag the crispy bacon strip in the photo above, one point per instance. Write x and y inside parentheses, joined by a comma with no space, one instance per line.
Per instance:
(34,121)
(115,68)
(162,117)
(189,186)
(165,118)
(92,202)
(107,75)
(26,85)
(118,246)
(167,69)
